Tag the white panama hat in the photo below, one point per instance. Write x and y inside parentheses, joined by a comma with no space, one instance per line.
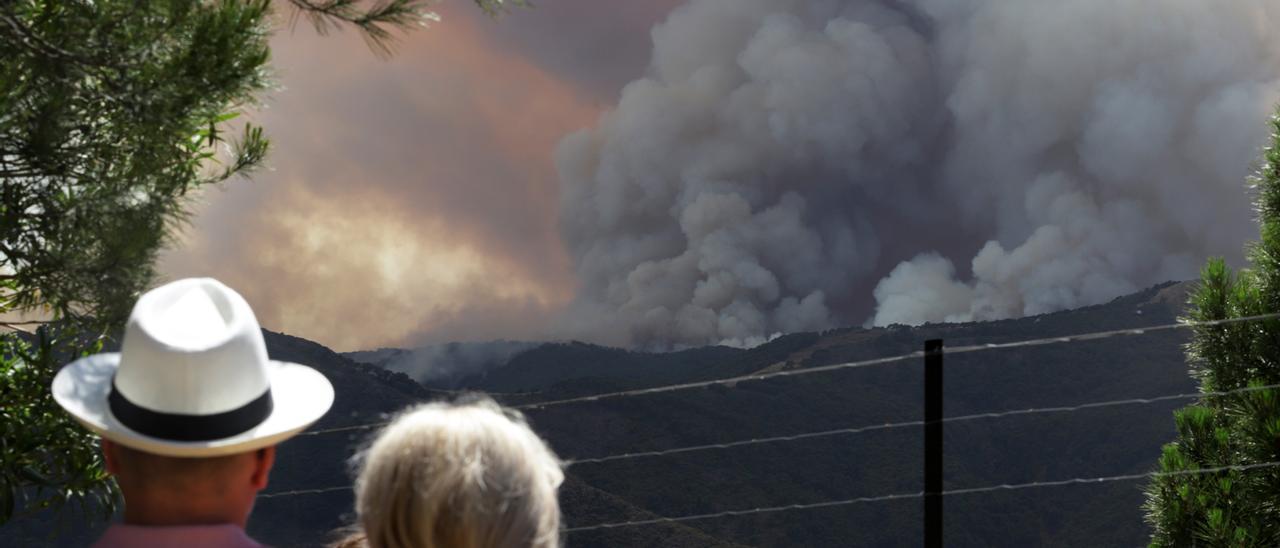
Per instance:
(192,379)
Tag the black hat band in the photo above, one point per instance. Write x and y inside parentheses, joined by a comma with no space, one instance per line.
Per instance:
(183,427)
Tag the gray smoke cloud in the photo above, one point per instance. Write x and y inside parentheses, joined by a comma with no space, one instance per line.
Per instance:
(444,365)
(792,165)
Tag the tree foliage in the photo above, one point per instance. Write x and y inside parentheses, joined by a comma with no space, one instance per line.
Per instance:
(46,460)
(111,112)
(1232,508)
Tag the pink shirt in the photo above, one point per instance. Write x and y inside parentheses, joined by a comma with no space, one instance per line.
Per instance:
(182,536)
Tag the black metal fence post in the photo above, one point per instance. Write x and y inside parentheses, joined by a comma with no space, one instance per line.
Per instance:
(933,443)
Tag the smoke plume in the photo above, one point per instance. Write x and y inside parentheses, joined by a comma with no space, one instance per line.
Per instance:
(445,365)
(791,165)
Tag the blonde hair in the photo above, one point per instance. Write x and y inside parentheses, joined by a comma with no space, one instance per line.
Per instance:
(465,475)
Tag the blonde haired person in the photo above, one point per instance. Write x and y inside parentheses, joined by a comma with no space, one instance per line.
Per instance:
(458,475)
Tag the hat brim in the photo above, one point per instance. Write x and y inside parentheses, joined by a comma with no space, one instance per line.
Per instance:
(302,395)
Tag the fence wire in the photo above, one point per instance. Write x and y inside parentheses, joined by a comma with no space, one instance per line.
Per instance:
(859,500)
(921,494)
(919,423)
(732,381)
(964,349)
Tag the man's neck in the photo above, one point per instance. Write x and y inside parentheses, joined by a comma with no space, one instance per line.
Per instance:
(157,513)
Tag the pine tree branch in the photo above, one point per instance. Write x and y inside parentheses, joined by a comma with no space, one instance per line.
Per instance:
(375,22)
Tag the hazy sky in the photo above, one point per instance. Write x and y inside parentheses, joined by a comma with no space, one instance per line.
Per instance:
(414,199)
(654,176)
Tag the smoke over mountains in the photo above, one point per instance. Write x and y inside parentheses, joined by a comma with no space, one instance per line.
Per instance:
(792,165)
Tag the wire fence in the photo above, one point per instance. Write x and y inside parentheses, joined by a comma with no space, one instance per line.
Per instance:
(964,349)
(859,500)
(919,423)
(731,381)
(921,494)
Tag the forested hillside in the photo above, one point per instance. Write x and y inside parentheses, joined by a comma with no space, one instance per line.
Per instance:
(1036,447)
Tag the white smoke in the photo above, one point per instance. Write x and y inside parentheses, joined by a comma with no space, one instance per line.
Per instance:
(449,363)
(782,156)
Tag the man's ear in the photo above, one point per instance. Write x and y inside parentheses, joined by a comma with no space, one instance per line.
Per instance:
(263,459)
(110,457)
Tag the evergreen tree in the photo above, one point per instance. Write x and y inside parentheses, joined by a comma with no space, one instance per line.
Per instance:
(111,112)
(1236,507)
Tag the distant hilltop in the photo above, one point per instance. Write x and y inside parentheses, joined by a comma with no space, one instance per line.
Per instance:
(628,486)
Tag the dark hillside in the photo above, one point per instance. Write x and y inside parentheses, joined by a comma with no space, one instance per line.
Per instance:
(1007,450)
(1015,449)
(558,367)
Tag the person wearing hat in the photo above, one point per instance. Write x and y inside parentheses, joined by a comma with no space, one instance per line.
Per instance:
(189,412)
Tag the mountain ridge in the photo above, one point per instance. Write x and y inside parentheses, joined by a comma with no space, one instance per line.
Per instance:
(808,470)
